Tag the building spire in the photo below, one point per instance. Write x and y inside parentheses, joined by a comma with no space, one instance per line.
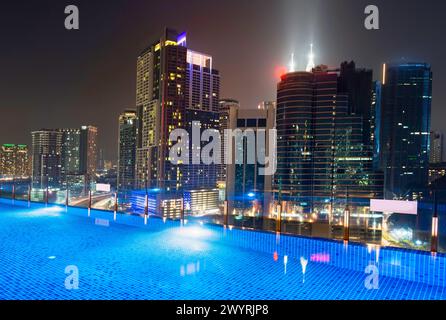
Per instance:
(292,65)
(310,65)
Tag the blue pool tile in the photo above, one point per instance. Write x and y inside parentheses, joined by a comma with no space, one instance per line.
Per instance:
(161,260)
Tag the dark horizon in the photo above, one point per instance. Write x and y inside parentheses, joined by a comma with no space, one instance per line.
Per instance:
(56,78)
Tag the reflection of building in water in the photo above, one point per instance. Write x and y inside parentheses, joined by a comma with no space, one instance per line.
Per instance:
(303,263)
(190,268)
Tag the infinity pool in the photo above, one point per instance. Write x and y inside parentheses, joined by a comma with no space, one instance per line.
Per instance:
(127,259)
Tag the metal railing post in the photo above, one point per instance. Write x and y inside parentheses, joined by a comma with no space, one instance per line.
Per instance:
(279,218)
(226,213)
(434,235)
(347,219)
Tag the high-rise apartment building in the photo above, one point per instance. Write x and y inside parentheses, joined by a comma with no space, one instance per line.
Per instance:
(160,100)
(406,114)
(202,95)
(88,151)
(175,87)
(62,155)
(46,158)
(71,144)
(128,126)
(14,161)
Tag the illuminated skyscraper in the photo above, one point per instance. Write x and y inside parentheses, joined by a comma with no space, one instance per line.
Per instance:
(46,158)
(71,140)
(202,93)
(160,100)
(406,113)
(88,151)
(127,149)
(14,160)
(321,156)
(175,86)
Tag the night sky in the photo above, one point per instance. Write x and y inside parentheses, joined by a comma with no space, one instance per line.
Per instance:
(54,78)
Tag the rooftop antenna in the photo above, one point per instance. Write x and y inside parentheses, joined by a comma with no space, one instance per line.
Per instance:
(311,64)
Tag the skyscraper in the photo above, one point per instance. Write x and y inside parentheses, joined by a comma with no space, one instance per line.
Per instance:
(357,84)
(175,87)
(321,154)
(436,141)
(14,160)
(127,149)
(376,123)
(406,113)
(225,106)
(46,158)
(64,155)
(160,100)
(244,178)
(88,151)
(202,93)
(101,159)
(71,140)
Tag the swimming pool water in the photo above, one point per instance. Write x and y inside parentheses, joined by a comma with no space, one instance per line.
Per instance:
(162,260)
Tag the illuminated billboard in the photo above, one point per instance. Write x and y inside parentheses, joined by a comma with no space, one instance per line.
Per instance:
(394,206)
(103,187)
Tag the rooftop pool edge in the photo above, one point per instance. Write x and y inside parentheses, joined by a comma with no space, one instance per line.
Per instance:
(9,201)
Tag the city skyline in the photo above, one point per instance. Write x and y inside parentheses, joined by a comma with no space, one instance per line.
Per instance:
(85,83)
(163,150)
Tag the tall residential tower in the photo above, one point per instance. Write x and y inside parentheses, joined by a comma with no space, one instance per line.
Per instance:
(127,150)
(175,87)
(46,158)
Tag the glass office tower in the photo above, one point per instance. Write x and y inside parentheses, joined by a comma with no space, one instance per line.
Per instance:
(406,113)
(321,154)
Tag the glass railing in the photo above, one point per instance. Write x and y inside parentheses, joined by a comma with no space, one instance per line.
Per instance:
(331,218)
